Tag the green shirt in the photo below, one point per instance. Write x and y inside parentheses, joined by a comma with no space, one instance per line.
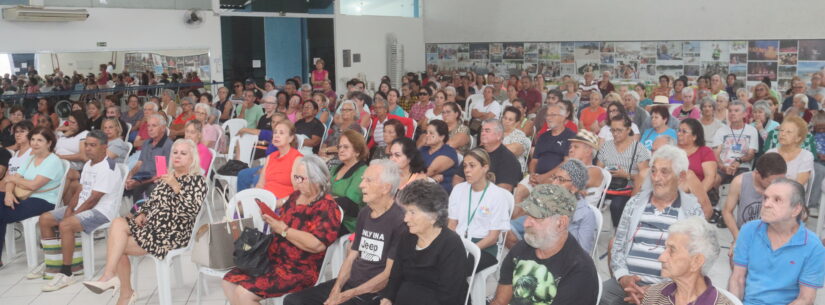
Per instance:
(773,141)
(252,115)
(348,193)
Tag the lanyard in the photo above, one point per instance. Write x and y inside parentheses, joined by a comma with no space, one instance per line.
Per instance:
(470,205)
(737,138)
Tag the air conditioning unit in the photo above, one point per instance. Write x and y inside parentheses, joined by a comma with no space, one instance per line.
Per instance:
(41,14)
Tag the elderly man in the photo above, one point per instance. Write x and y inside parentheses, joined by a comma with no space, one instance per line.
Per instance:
(380,116)
(573,176)
(777,260)
(587,85)
(548,266)
(502,161)
(747,190)
(530,95)
(141,179)
(369,260)
(95,205)
(798,87)
(735,144)
(642,230)
(249,111)
(551,148)
(583,147)
(149,108)
(692,247)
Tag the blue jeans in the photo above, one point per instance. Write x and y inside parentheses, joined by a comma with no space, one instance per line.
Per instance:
(247,178)
(25,209)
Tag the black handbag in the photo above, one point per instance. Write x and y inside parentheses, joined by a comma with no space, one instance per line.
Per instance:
(251,252)
(621,184)
(232,167)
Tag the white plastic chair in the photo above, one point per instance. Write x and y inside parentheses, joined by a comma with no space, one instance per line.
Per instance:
(479,287)
(30,225)
(247,149)
(163,267)
(809,186)
(210,185)
(232,127)
(250,210)
(470,102)
(729,295)
(820,221)
(606,178)
(88,239)
(599,221)
(128,130)
(471,249)
(601,286)
(300,138)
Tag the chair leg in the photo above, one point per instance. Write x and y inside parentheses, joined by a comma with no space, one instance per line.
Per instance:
(133,262)
(11,247)
(164,286)
(30,239)
(177,269)
(87,241)
(198,290)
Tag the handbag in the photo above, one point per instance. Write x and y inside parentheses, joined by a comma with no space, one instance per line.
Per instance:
(251,252)
(232,167)
(214,243)
(619,186)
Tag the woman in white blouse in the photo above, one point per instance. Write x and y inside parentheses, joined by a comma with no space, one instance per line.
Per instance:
(800,162)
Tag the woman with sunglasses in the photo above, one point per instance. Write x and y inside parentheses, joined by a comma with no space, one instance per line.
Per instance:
(419,109)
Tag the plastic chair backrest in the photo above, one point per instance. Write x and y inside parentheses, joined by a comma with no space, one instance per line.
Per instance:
(62,182)
(599,221)
(809,186)
(729,295)
(502,236)
(233,125)
(606,178)
(128,129)
(247,148)
(471,249)
(250,208)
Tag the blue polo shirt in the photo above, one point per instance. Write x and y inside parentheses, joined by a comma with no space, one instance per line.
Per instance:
(774,276)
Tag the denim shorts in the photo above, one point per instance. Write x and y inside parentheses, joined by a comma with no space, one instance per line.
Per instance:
(89,219)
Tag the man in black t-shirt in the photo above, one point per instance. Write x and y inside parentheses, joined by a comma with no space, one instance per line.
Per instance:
(548,266)
(380,226)
(551,148)
(309,126)
(502,161)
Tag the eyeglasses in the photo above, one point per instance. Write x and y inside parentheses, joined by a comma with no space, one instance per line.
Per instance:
(299,179)
(560,179)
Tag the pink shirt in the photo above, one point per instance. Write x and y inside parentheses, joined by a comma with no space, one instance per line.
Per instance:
(695,113)
(206,158)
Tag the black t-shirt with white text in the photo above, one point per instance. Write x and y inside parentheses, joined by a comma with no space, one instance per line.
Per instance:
(376,240)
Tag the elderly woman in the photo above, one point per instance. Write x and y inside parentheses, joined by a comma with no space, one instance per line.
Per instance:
(441,159)
(347,118)
(275,173)
(167,103)
(799,108)
(588,119)
(494,202)
(118,149)
(690,250)
(688,108)
(800,161)
(514,138)
(393,129)
(352,152)
(624,158)
(430,267)
(308,223)
(149,108)
(659,126)
(163,223)
(409,160)
(211,132)
(133,112)
(323,114)
(178,125)
(362,102)
(763,118)
(722,101)
(7,136)
(38,176)
(710,123)
(194,133)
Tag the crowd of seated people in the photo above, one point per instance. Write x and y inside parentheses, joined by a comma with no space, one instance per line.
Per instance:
(500,161)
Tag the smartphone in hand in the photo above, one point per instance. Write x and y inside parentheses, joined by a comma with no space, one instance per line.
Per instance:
(265,210)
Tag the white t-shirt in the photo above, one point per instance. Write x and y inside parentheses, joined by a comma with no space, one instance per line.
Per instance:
(102,177)
(494,108)
(69,146)
(491,212)
(803,163)
(605,133)
(736,143)
(17,160)
(430,115)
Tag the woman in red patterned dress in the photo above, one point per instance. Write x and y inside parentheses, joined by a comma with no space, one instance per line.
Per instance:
(308,224)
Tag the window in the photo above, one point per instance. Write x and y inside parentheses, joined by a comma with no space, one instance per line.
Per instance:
(398,8)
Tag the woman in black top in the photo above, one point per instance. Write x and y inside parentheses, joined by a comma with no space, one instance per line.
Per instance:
(432,265)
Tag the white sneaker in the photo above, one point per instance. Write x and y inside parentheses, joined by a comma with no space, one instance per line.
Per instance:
(60,281)
(37,272)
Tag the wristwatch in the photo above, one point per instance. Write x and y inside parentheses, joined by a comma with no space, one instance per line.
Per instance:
(283,233)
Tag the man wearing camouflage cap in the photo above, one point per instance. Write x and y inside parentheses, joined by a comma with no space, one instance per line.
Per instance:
(548,266)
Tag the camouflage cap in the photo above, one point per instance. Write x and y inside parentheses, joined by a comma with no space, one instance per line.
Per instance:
(549,199)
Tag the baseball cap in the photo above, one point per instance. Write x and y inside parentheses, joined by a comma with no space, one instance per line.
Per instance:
(249,81)
(549,199)
(586,137)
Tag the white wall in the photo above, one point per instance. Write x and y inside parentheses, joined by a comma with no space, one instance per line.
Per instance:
(121,29)
(597,20)
(367,35)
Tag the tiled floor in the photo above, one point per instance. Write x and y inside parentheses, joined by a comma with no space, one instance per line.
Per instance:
(15,289)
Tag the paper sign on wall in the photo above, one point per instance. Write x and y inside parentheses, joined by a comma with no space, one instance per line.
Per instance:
(256,63)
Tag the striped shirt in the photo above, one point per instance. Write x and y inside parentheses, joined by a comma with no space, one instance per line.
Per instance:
(648,242)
